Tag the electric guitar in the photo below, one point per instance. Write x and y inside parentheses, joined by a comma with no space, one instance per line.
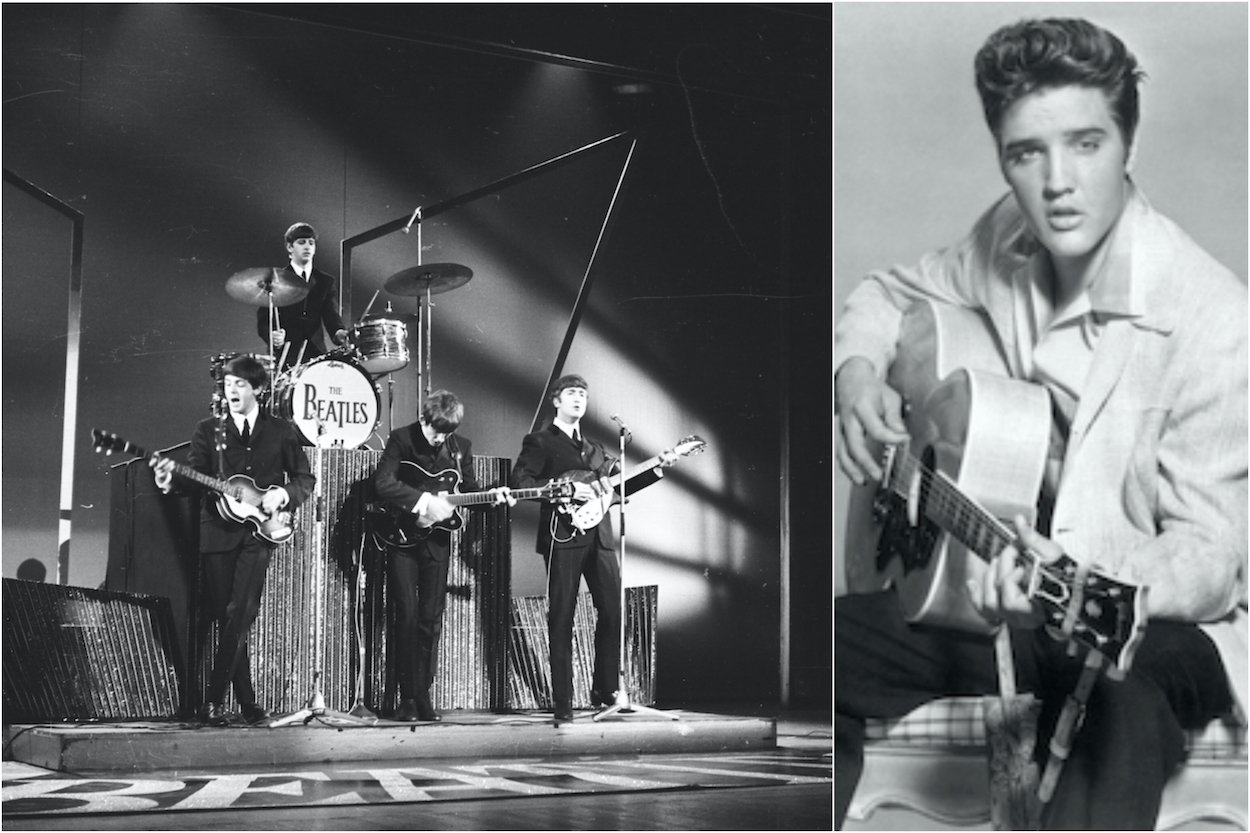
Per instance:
(239,498)
(587,515)
(977,453)
(398,528)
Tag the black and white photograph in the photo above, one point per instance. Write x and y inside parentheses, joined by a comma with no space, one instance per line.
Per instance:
(1040,259)
(417,416)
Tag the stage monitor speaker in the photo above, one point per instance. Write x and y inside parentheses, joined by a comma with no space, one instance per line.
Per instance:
(72,654)
(529,660)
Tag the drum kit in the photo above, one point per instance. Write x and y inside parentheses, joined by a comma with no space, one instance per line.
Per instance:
(334,400)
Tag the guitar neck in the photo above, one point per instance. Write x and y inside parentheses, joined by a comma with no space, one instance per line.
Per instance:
(471,498)
(953,511)
(182,469)
(645,465)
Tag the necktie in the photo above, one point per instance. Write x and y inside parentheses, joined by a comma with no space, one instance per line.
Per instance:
(246,432)
(577,437)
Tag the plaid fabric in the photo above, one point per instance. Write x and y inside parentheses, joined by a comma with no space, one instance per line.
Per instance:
(960,722)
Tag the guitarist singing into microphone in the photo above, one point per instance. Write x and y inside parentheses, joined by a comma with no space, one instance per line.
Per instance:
(247,442)
(418,538)
(571,553)
(1135,339)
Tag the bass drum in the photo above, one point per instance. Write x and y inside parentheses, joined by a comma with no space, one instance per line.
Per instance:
(332,403)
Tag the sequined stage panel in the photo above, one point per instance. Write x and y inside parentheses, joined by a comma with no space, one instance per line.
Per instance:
(529,660)
(75,654)
(325,603)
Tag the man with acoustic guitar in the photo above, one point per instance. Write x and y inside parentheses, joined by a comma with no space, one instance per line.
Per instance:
(417,538)
(1137,339)
(570,551)
(247,443)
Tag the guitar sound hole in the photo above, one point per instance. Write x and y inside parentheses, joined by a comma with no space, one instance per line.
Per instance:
(913,546)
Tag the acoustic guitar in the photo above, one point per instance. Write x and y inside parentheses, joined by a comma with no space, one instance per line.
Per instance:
(976,456)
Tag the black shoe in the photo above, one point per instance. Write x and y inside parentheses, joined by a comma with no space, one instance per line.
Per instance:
(211,714)
(598,698)
(406,711)
(563,713)
(253,713)
(425,711)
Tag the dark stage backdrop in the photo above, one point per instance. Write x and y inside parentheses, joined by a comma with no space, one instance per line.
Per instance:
(191,136)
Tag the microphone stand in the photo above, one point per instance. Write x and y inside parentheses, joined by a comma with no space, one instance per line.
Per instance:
(315,708)
(623,704)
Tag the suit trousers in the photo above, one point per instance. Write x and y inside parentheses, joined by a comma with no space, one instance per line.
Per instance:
(1130,743)
(418,585)
(565,568)
(235,581)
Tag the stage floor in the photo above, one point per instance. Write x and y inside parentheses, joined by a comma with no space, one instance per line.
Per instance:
(767,772)
(181,748)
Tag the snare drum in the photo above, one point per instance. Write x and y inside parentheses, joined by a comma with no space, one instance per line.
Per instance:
(332,404)
(217,371)
(383,344)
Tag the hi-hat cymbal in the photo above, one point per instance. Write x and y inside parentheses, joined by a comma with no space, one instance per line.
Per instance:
(255,286)
(434,277)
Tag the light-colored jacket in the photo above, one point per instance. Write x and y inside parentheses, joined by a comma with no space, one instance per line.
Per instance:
(1153,488)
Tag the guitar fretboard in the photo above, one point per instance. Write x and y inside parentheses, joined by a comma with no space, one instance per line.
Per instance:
(208,481)
(945,505)
(471,498)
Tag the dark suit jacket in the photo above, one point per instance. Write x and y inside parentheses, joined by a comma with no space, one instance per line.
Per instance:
(275,458)
(303,320)
(408,444)
(550,453)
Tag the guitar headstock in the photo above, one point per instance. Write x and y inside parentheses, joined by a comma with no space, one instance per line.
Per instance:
(690,446)
(107,443)
(1108,615)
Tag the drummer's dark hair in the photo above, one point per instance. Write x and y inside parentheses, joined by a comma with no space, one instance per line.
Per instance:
(247,368)
(570,380)
(299,230)
(442,411)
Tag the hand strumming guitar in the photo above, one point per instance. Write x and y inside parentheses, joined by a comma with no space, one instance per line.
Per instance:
(868,409)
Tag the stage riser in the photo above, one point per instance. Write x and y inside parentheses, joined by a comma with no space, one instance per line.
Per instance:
(86,751)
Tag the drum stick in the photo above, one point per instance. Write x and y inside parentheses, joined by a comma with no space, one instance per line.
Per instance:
(286,348)
(299,359)
(365,314)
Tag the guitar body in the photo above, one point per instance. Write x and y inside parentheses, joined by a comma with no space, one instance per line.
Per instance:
(241,501)
(969,422)
(587,515)
(404,530)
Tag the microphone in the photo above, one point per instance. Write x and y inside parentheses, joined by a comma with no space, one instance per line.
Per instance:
(615,418)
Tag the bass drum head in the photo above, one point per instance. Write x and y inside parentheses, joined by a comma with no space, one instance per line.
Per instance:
(333,404)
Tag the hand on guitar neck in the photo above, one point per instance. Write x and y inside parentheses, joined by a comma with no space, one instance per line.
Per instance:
(868,410)
(1002,593)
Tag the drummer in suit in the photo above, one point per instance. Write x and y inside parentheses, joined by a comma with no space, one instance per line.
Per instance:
(299,325)
(569,553)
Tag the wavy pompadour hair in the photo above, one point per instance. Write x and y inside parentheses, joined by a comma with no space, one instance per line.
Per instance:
(1032,55)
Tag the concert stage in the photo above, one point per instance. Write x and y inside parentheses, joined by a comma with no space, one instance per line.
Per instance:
(130,747)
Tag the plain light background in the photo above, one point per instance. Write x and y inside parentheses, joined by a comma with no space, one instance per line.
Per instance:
(914,163)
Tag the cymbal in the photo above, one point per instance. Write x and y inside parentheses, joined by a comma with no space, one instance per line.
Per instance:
(254,286)
(405,317)
(436,277)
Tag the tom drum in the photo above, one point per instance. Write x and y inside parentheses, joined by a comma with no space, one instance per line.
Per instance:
(382,344)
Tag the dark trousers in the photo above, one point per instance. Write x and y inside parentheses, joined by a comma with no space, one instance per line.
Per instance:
(418,586)
(565,568)
(235,581)
(1132,738)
